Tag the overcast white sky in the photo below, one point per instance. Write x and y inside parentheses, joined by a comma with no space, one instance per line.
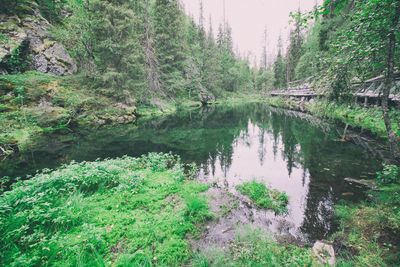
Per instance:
(248,19)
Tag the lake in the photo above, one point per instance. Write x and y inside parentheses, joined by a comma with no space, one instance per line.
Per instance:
(293,152)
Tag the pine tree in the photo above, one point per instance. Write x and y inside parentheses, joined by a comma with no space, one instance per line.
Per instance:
(264,57)
(169,42)
(154,74)
(210,64)
(295,49)
(279,68)
(193,58)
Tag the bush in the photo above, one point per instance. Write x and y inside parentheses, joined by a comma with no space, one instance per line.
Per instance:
(389,175)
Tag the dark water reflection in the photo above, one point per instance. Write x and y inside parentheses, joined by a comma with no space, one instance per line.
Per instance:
(231,145)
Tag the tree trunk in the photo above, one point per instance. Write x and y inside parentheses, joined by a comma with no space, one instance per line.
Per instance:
(389,80)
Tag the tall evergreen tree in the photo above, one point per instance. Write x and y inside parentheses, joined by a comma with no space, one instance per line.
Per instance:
(295,46)
(169,42)
(154,74)
(279,68)
(264,56)
(210,64)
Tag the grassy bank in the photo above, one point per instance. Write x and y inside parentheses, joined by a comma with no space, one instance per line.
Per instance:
(121,212)
(33,103)
(352,114)
(368,234)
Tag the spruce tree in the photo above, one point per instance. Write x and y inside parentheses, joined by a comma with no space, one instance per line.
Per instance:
(295,49)
(279,68)
(169,42)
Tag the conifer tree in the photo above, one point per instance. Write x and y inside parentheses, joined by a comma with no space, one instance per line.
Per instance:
(118,50)
(295,47)
(210,64)
(279,68)
(169,42)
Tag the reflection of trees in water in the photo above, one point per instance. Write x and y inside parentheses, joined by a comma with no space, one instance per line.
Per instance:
(309,147)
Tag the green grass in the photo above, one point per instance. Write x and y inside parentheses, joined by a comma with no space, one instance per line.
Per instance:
(253,247)
(121,212)
(263,197)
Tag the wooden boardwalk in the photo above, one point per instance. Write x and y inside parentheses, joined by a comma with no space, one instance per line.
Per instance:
(368,90)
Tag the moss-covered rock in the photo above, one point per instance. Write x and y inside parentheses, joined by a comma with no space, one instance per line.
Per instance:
(48,116)
(30,30)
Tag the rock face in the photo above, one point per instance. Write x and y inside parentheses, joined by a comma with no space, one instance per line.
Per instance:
(206,97)
(29,33)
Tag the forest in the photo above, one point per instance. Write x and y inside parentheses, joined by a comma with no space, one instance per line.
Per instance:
(134,133)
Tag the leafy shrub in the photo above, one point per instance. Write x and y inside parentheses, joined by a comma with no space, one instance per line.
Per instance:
(159,161)
(264,197)
(389,175)
(18,59)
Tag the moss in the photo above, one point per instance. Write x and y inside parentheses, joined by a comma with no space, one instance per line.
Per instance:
(8,26)
(23,9)
(264,197)
(64,61)
(46,116)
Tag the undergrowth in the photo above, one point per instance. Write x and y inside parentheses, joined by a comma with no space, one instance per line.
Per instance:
(122,212)
(368,234)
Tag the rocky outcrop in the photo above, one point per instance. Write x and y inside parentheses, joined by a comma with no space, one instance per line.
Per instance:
(27,37)
(206,97)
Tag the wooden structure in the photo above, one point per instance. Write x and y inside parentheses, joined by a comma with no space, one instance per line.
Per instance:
(367,92)
(370,90)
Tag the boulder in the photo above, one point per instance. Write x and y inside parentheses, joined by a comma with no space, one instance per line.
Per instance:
(324,253)
(206,97)
(31,32)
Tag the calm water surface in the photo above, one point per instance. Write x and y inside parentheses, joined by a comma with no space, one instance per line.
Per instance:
(304,157)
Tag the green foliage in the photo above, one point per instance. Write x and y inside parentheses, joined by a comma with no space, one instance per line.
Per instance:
(4,39)
(18,60)
(51,10)
(369,230)
(264,197)
(295,49)
(280,68)
(265,80)
(355,115)
(33,102)
(197,209)
(11,6)
(389,175)
(168,21)
(124,211)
